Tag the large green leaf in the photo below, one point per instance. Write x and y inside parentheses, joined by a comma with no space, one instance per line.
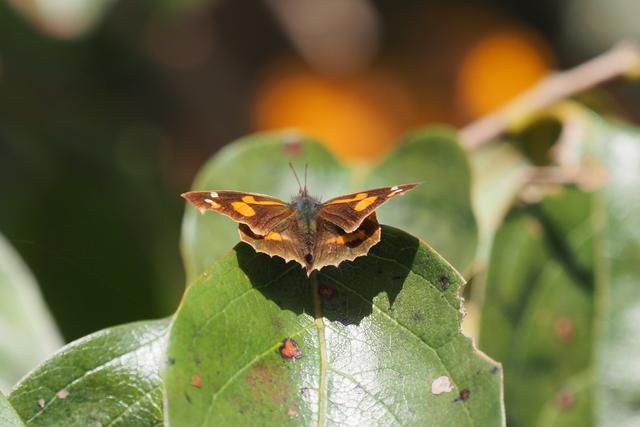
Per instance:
(28,334)
(111,377)
(8,416)
(438,211)
(374,335)
(538,308)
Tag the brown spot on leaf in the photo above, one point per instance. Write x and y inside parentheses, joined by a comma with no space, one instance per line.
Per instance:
(326,292)
(63,394)
(565,399)
(41,403)
(290,350)
(443,281)
(564,328)
(268,382)
(293,412)
(196,381)
(465,394)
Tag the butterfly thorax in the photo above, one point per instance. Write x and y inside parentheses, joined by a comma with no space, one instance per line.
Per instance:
(306,208)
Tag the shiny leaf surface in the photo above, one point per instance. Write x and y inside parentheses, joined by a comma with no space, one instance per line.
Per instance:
(111,377)
(618,275)
(367,343)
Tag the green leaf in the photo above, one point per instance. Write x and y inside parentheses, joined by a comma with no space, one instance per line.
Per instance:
(8,416)
(374,335)
(28,334)
(572,406)
(500,172)
(439,210)
(538,307)
(111,377)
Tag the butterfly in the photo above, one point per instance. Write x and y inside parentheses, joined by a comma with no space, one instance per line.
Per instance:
(312,233)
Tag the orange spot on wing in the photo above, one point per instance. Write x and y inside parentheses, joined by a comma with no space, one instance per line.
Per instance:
(347,238)
(365,203)
(251,200)
(213,204)
(243,208)
(356,198)
(275,236)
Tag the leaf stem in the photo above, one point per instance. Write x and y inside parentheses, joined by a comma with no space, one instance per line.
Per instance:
(322,344)
(623,59)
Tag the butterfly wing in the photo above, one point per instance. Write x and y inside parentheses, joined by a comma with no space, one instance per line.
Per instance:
(259,212)
(334,245)
(350,210)
(284,241)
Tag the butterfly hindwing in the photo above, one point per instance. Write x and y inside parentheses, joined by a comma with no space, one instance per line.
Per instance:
(283,241)
(350,210)
(259,212)
(334,245)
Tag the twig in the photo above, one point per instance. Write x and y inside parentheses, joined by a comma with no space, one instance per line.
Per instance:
(622,59)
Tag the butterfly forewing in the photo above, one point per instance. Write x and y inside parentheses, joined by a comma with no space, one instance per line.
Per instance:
(350,210)
(259,212)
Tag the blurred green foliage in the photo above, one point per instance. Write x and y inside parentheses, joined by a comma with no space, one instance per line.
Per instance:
(85,188)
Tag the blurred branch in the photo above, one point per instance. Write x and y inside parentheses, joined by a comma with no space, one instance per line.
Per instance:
(623,59)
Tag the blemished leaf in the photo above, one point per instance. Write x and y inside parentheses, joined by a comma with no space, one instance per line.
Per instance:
(439,210)
(375,341)
(572,406)
(538,307)
(8,416)
(28,334)
(111,377)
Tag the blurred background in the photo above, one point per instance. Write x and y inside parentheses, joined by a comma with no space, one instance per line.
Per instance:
(108,109)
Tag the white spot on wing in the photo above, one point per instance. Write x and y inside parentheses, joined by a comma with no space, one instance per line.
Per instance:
(441,385)
(214,194)
(394,188)
(211,202)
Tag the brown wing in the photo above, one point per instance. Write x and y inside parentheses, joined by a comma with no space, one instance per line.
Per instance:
(261,213)
(283,241)
(350,210)
(333,245)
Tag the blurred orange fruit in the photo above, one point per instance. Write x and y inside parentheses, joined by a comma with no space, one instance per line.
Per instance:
(359,118)
(498,67)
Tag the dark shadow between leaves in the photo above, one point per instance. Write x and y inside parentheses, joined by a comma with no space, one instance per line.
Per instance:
(348,292)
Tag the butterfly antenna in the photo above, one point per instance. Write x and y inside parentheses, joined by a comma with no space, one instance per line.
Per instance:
(306,167)
(296,175)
